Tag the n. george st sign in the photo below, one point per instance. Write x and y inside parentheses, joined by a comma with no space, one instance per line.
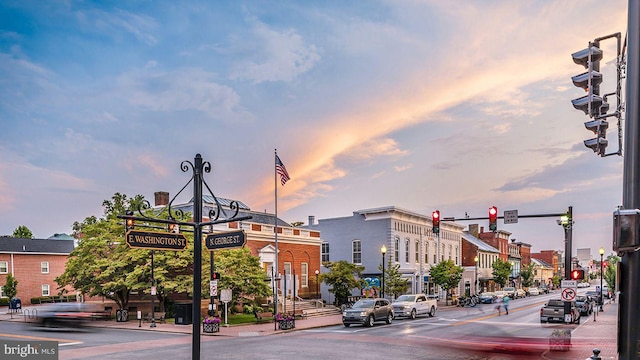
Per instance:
(226,240)
(156,240)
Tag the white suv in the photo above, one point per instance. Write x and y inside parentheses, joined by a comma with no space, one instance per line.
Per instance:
(511,291)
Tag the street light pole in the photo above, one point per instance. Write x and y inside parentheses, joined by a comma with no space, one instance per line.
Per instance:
(317,285)
(475,289)
(601,251)
(153,294)
(384,251)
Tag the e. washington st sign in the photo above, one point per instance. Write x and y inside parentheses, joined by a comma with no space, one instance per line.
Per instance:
(155,240)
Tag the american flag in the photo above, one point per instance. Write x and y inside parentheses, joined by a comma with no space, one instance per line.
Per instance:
(280,169)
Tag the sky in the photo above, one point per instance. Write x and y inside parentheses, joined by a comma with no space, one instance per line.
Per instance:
(449,105)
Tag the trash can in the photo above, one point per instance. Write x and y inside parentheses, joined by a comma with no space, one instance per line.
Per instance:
(15,304)
(183,313)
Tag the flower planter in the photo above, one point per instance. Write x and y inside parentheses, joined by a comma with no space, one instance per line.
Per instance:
(286,324)
(211,328)
(560,340)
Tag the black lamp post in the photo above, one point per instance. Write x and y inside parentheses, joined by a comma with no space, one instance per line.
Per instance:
(317,285)
(153,294)
(384,251)
(601,251)
(475,290)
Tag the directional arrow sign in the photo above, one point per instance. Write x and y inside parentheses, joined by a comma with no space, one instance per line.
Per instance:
(156,240)
(226,240)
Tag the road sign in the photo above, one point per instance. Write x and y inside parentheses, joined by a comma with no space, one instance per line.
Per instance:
(226,240)
(155,240)
(569,294)
(213,288)
(568,284)
(225,295)
(511,216)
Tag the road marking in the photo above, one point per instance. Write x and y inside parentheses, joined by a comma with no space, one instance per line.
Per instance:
(14,336)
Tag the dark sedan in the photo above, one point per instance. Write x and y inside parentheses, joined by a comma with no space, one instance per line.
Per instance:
(487,298)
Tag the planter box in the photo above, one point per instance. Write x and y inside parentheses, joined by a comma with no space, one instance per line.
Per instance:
(560,340)
(211,328)
(286,324)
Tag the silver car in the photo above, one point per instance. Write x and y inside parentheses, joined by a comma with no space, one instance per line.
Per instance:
(367,311)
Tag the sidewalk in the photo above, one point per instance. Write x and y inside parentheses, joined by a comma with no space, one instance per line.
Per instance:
(601,334)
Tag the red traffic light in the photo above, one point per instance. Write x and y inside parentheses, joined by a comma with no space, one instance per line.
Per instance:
(493,218)
(577,274)
(435,220)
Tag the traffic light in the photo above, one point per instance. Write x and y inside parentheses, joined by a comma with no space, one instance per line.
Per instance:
(577,274)
(592,104)
(493,218)
(215,276)
(435,220)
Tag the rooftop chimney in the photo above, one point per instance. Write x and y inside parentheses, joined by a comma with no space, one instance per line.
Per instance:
(312,220)
(162,198)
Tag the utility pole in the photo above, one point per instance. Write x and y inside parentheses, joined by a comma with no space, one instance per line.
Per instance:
(628,316)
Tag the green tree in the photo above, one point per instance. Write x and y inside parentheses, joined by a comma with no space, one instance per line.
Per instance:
(501,271)
(104,265)
(22,232)
(241,272)
(527,274)
(448,275)
(556,281)
(343,277)
(10,289)
(610,271)
(394,283)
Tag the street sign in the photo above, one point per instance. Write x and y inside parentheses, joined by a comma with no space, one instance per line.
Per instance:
(213,288)
(226,240)
(569,284)
(225,295)
(568,294)
(155,240)
(511,216)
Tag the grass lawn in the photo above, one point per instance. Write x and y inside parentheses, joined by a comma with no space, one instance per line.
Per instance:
(235,319)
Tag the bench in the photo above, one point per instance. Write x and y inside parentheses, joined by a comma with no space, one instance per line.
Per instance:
(264,315)
(158,315)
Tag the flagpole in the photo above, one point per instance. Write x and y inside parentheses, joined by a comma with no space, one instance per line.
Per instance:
(275,185)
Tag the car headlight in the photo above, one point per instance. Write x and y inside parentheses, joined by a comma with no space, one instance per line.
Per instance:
(407,307)
(363,313)
(344,313)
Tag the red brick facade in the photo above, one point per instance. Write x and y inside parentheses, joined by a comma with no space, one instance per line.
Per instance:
(27,270)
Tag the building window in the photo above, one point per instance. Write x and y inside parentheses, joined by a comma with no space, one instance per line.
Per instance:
(426,253)
(325,252)
(1,294)
(356,247)
(406,250)
(44,267)
(45,290)
(4,267)
(304,277)
(417,251)
(396,250)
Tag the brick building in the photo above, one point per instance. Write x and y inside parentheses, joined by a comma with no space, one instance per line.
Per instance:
(35,263)
(298,248)
(551,257)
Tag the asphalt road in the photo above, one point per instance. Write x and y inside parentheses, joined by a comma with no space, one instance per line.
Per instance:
(461,333)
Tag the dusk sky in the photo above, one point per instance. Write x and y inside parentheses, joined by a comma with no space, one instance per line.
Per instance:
(423,105)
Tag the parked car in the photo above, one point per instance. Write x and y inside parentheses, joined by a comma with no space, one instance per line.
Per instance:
(584,284)
(511,291)
(367,311)
(534,291)
(543,289)
(487,297)
(499,294)
(553,310)
(584,304)
(521,293)
(413,305)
